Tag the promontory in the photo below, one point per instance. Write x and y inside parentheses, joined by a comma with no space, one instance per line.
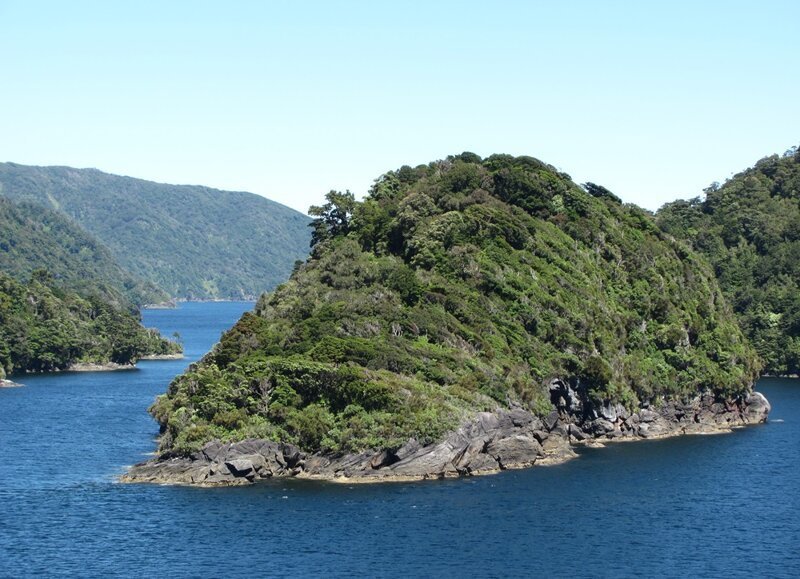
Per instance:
(470,315)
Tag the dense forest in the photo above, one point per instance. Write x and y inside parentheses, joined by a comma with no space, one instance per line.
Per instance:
(193,242)
(43,327)
(33,237)
(749,229)
(462,285)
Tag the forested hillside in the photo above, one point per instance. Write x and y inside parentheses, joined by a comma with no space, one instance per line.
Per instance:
(749,229)
(463,285)
(33,237)
(43,327)
(192,241)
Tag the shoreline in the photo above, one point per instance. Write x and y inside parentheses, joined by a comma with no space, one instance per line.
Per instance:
(490,442)
(94,367)
(176,302)
(10,384)
(179,356)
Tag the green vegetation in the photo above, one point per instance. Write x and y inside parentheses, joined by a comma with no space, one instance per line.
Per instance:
(43,327)
(749,229)
(193,242)
(33,237)
(458,286)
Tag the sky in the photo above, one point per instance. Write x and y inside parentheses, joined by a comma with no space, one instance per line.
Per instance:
(653,100)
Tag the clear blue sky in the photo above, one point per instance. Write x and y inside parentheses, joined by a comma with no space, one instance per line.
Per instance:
(653,100)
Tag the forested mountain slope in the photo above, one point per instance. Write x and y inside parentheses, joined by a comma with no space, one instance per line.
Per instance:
(33,237)
(464,285)
(749,229)
(192,241)
(43,327)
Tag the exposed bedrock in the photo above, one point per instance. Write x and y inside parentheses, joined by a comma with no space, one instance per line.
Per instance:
(487,443)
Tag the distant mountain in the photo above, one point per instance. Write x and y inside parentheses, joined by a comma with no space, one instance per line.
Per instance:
(34,238)
(749,229)
(192,241)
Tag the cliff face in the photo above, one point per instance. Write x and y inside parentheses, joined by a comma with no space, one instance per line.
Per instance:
(483,299)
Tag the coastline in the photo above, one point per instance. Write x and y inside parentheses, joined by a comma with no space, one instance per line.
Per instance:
(179,356)
(488,443)
(93,367)
(176,302)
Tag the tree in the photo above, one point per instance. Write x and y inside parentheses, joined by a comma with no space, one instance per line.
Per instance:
(333,218)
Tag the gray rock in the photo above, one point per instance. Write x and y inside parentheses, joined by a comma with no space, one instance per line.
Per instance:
(516,451)
(240,467)
(467,456)
(609,412)
(381,459)
(646,415)
(407,449)
(521,417)
(482,463)
(757,408)
(577,433)
(599,427)
(488,442)
(551,420)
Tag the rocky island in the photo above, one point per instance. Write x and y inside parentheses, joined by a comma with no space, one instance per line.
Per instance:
(469,316)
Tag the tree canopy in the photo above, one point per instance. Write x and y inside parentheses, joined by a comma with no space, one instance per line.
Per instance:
(43,327)
(749,229)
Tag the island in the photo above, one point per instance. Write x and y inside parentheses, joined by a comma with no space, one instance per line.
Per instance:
(469,316)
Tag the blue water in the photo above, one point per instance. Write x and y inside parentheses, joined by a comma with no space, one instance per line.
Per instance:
(693,506)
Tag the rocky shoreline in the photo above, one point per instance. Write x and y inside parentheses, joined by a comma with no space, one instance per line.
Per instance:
(490,442)
(178,356)
(92,367)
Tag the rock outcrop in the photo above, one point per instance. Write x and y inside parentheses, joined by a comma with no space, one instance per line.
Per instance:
(488,443)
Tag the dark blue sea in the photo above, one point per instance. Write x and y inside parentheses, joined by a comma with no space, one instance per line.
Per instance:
(702,506)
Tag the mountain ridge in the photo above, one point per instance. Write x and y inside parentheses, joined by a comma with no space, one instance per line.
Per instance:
(33,237)
(192,241)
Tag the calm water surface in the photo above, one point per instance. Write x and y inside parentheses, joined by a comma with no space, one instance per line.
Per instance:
(694,506)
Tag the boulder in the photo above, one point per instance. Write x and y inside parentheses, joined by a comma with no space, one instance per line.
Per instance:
(515,451)
(609,412)
(469,455)
(407,449)
(647,415)
(577,433)
(757,408)
(241,467)
(482,463)
(551,420)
